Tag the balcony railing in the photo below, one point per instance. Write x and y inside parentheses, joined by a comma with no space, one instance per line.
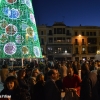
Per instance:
(76,43)
(83,52)
(83,43)
(77,52)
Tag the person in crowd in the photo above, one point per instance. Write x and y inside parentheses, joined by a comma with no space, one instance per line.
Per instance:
(98,83)
(4,73)
(46,73)
(50,88)
(12,89)
(56,64)
(12,72)
(95,69)
(89,88)
(75,67)
(63,70)
(32,64)
(28,74)
(34,74)
(59,82)
(72,81)
(39,88)
(83,74)
(21,79)
(92,65)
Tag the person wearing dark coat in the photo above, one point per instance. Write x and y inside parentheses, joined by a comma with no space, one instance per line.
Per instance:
(50,88)
(75,67)
(12,89)
(21,79)
(89,89)
(39,88)
(98,82)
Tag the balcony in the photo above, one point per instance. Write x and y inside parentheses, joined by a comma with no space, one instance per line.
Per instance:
(50,41)
(77,52)
(76,43)
(83,43)
(83,52)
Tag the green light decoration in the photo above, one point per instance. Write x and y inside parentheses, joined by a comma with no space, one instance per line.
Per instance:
(18,31)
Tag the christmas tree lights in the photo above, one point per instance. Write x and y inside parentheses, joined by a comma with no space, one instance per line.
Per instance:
(18,31)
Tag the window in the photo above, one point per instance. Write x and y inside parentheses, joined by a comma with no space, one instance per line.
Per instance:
(41,32)
(50,50)
(59,50)
(82,41)
(63,30)
(76,42)
(83,50)
(76,33)
(50,40)
(92,49)
(50,32)
(59,30)
(68,33)
(42,41)
(87,33)
(59,39)
(63,39)
(76,50)
(94,34)
(91,34)
(68,40)
(82,33)
(55,31)
(55,39)
(92,40)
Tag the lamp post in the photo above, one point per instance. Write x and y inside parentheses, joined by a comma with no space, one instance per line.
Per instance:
(12,62)
(65,55)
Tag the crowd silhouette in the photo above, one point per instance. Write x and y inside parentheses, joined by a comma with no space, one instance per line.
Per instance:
(47,81)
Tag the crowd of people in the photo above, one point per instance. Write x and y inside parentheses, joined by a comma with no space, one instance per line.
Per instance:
(48,81)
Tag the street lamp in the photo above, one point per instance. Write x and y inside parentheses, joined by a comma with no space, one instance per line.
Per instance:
(65,55)
(65,51)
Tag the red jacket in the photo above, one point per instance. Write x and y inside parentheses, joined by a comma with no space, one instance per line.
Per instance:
(73,82)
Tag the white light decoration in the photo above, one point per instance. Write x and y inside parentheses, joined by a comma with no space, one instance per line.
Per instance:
(10,48)
(11,30)
(11,1)
(32,18)
(29,31)
(19,39)
(25,50)
(36,51)
(3,38)
(98,51)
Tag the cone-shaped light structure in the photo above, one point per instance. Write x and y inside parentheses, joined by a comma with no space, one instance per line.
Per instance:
(18,31)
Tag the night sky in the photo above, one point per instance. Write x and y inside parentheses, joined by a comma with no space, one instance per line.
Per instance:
(71,12)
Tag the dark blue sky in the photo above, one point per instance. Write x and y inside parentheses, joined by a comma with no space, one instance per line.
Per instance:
(71,12)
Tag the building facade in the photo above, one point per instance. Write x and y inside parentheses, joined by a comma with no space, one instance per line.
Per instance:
(61,42)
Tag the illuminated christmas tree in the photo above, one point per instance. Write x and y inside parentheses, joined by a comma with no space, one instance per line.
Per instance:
(18,31)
